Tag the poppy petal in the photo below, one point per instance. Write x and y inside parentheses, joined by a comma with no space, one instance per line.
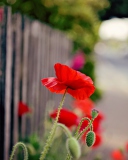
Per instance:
(66,117)
(85,78)
(98,141)
(53,85)
(23,109)
(73,79)
(79,85)
(85,106)
(117,155)
(82,93)
(64,73)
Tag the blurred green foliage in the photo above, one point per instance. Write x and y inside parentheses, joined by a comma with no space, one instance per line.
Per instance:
(78,19)
(89,69)
(117,8)
(35,147)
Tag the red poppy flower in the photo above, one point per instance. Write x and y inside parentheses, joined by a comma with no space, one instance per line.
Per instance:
(79,85)
(98,141)
(66,117)
(97,126)
(97,122)
(23,108)
(117,155)
(100,117)
(85,106)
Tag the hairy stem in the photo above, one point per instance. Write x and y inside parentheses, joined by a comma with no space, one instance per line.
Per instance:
(24,149)
(68,133)
(50,137)
(80,124)
(84,130)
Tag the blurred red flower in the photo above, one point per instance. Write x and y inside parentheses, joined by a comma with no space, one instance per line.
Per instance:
(78,61)
(85,106)
(1,14)
(23,109)
(96,125)
(96,129)
(100,117)
(66,117)
(98,141)
(79,85)
(117,155)
(97,122)
(126,146)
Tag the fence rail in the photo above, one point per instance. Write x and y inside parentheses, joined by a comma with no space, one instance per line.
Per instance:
(28,51)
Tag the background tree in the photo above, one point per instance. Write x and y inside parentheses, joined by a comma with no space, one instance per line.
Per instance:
(117,8)
(78,19)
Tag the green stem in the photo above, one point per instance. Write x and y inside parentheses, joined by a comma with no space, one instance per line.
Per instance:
(50,138)
(68,133)
(80,124)
(69,157)
(84,130)
(77,132)
(24,149)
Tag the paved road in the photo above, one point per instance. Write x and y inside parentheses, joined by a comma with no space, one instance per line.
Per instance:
(112,78)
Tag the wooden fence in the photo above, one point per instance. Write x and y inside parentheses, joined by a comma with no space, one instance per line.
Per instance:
(28,52)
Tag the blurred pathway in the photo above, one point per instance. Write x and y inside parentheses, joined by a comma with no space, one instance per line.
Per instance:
(112,79)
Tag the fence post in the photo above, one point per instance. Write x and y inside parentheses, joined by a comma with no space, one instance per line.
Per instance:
(8,82)
(2,79)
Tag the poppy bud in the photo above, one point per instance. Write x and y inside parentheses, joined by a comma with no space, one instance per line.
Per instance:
(73,147)
(90,138)
(94,113)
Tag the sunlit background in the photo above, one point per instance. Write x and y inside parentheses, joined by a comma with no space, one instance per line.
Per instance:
(111,54)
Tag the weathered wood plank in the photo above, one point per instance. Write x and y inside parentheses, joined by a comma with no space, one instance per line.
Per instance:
(33,76)
(8,83)
(38,81)
(17,70)
(2,79)
(24,76)
(43,71)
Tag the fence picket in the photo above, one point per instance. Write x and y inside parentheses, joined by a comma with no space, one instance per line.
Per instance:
(8,82)
(17,75)
(24,76)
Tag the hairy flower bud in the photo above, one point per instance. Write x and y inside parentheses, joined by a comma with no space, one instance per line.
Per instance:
(90,138)
(94,113)
(73,147)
